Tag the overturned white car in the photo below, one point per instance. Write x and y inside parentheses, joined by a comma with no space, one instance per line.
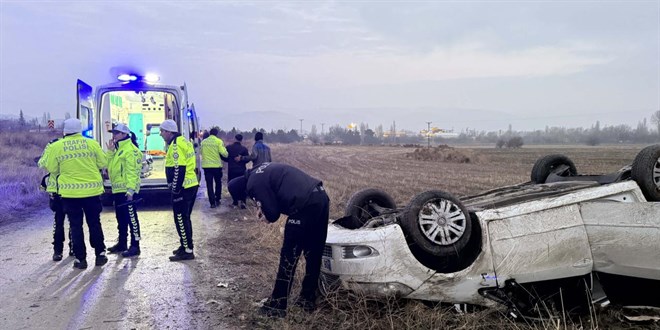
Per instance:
(547,242)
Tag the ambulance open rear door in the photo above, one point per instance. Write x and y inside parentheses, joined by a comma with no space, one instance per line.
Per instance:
(85,108)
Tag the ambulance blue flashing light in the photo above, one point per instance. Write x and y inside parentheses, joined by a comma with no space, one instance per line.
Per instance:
(87,133)
(127,77)
(148,78)
(189,114)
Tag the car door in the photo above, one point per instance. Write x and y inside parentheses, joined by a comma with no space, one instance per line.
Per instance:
(194,137)
(85,108)
(542,245)
(624,237)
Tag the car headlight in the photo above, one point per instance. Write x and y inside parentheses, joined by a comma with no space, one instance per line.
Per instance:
(358,251)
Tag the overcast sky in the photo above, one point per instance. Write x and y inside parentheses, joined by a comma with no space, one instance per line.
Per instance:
(476,64)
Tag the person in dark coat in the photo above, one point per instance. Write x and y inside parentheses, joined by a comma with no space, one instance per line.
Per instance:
(236,168)
(284,189)
(260,152)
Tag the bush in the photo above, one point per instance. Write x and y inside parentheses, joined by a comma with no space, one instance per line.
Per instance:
(515,142)
(592,140)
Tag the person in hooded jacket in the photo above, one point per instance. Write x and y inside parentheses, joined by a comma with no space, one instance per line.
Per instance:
(284,189)
(124,168)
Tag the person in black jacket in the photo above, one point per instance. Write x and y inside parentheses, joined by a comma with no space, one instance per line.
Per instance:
(236,168)
(284,189)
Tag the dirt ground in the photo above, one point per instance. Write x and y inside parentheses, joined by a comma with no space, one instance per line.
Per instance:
(126,293)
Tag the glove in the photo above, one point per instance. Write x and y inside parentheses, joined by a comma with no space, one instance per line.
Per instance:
(129,194)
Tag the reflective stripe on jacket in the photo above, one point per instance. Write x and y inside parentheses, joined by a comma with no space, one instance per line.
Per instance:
(75,161)
(212,149)
(180,164)
(124,167)
(51,184)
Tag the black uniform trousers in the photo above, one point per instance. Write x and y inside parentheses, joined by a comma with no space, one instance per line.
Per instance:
(91,208)
(304,232)
(213,175)
(127,218)
(55,204)
(231,175)
(182,204)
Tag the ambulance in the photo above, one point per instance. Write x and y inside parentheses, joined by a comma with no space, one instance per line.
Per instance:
(142,103)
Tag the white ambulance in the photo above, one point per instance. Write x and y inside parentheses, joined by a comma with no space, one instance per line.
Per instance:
(143,104)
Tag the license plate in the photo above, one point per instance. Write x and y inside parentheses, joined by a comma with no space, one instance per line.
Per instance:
(327,264)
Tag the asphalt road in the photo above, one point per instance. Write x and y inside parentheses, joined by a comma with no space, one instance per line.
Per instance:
(126,293)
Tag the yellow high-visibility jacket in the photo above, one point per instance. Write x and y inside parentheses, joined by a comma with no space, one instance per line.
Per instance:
(51,184)
(124,167)
(75,161)
(180,164)
(212,149)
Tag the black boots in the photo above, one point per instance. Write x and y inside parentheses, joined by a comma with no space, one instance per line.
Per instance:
(117,248)
(101,260)
(179,250)
(181,254)
(80,264)
(306,304)
(132,252)
(271,312)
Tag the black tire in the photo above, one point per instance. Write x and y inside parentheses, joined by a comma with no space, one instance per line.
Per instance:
(422,234)
(545,165)
(360,207)
(646,172)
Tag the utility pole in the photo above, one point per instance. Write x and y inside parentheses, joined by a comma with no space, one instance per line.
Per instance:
(428,134)
(301,133)
(322,124)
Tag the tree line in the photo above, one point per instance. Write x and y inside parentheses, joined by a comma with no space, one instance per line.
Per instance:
(362,134)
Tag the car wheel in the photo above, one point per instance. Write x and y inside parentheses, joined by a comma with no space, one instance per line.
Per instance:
(646,172)
(547,164)
(365,204)
(437,223)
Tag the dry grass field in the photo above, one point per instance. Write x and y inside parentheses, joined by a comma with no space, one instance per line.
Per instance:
(19,175)
(346,169)
(249,250)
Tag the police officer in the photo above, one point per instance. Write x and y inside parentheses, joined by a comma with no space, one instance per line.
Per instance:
(75,161)
(284,189)
(180,166)
(124,167)
(49,183)
(212,149)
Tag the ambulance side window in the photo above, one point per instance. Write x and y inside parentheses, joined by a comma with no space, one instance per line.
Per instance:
(86,121)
